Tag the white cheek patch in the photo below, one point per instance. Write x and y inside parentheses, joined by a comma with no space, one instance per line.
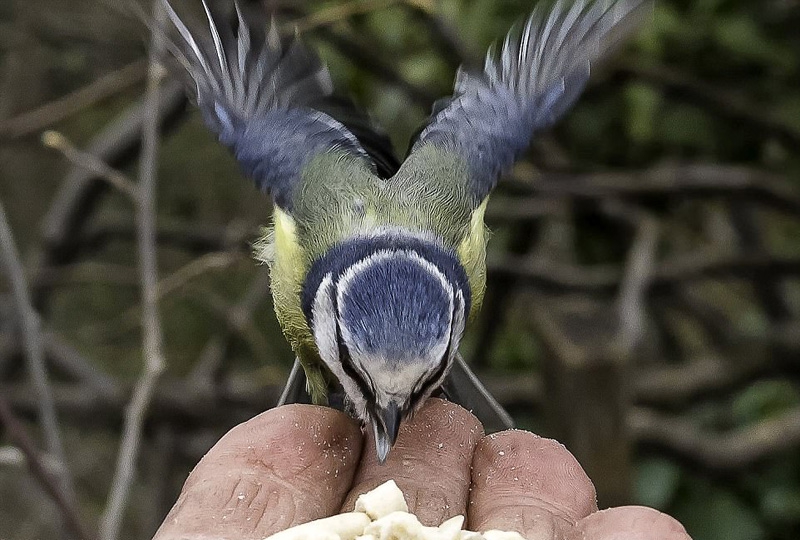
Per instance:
(324,328)
(459,322)
(324,323)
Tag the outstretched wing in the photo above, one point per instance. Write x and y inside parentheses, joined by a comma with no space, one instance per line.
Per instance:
(526,87)
(269,99)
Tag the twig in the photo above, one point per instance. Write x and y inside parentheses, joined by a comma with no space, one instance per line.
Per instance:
(446,37)
(74,204)
(31,330)
(65,358)
(745,360)
(89,272)
(186,405)
(196,237)
(237,322)
(116,145)
(750,239)
(717,452)
(635,280)
(503,209)
(723,103)
(10,66)
(18,435)
(605,279)
(131,317)
(55,111)
(85,160)
(363,54)
(196,268)
(686,181)
(111,520)
(336,13)
(211,358)
(66,362)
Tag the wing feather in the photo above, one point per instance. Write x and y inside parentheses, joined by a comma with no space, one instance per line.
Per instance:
(263,95)
(537,75)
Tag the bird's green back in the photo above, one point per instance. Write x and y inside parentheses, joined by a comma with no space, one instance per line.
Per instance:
(339,198)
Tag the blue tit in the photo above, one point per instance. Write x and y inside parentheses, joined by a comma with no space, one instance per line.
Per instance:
(377,266)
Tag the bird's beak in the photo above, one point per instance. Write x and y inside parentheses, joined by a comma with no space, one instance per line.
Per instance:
(386,425)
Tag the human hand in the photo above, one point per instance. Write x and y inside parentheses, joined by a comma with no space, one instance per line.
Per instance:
(299,463)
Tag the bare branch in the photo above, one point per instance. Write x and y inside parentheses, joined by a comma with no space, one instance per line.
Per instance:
(196,237)
(336,13)
(131,317)
(503,209)
(65,358)
(31,330)
(55,111)
(362,53)
(686,181)
(631,304)
(445,36)
(187,405)
(240,325)
(88,272)
(212,355)
(18,435)
(725,104)
(74,204)
(111,521)
(605,279)
(713,451)
(85,160)
(745,360)
(198,267)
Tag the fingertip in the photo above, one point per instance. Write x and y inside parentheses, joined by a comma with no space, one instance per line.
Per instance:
(629,523)
(284,467)
(430,461)
(527,483)
(286,424)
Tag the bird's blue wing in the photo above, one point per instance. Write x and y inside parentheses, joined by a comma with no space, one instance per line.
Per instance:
(269,99)
(526,86)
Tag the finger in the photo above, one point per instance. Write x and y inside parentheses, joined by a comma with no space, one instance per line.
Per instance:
(284,467)
(528,484)
(629,523)
(430,462)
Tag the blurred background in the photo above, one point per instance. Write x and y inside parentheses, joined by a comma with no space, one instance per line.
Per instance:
(644,284)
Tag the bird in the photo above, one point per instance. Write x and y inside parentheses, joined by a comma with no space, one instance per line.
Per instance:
(377,265)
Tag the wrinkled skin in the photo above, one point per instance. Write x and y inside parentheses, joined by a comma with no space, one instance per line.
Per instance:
(300,462)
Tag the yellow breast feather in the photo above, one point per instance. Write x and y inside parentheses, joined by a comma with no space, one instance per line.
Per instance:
(288,264)
(472,254)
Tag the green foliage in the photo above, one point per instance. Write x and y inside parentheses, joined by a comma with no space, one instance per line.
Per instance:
(643,105)
(723,514)
(764,399)
(657,482)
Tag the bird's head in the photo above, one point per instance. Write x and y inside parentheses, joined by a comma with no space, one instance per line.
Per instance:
(387,324)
